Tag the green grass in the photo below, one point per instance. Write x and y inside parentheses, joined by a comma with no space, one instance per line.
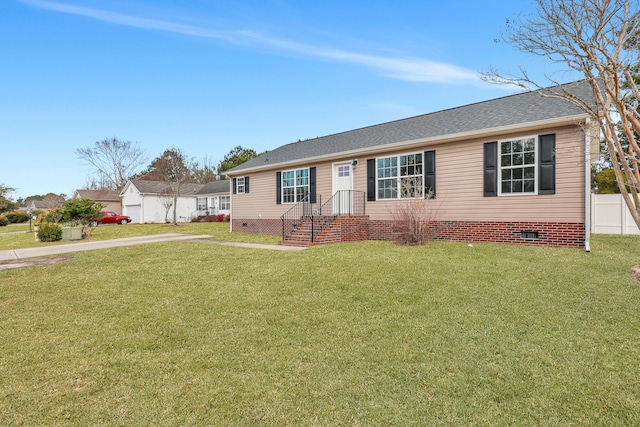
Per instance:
(350,334)
(218,231)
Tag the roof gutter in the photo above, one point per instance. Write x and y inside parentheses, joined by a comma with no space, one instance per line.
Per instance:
(417,142)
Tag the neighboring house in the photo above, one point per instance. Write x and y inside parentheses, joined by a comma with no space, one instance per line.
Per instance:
(37,205)
(214,199)
(146,201)
(109,198)
(513,169)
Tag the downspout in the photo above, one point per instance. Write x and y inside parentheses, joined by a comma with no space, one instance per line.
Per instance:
(231,215)
(587,186)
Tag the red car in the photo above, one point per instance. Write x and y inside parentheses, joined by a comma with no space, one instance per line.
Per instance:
(113,218)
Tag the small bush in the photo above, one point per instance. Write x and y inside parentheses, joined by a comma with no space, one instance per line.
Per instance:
(16,217)
(220,217)
(227,218)
(3,221)
(49,232)
(54,216)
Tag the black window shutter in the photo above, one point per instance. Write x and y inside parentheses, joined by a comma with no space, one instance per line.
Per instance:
(312,185)
(371,180)
(490,169)
(430,174)
(246,184)
(278,188)
(234,186)
(547,164)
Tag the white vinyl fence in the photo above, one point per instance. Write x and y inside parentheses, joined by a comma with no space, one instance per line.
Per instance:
(609,215)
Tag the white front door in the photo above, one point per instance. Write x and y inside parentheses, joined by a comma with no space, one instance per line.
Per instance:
(342,186)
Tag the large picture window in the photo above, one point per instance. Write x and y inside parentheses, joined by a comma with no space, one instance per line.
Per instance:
(295,185)
(518,166)
(400,177)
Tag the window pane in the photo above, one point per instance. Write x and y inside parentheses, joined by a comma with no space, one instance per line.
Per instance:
(506,186)
(529,186)
(505,160)
(530,144)
(288,195)
(516,146)
(529,158)
(387,189)
(517,173)
(517,159)
(516,186)
(529,173)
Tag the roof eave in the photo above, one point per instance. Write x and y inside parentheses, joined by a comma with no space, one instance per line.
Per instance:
(523,127)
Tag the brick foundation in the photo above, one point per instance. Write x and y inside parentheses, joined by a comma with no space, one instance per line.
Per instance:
(356,228)
(258,226)
(529,233)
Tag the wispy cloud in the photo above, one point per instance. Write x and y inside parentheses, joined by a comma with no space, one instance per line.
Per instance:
(408,69)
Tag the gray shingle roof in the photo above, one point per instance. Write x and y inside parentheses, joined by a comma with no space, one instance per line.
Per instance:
(99,195)
(215,187)
(502,112)
(156,187)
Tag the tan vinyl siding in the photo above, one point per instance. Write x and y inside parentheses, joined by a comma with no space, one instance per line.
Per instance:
(459,185)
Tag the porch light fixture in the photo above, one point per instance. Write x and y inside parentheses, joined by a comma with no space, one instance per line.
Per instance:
(354,162)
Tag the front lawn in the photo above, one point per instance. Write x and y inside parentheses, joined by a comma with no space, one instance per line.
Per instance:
(218,231)
(364,333)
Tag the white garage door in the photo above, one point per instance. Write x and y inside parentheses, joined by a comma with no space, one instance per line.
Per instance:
(134,212)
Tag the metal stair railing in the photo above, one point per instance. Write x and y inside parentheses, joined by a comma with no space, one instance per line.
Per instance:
(292,218)
(342,203)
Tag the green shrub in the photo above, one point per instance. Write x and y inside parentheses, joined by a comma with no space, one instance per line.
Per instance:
(54,215)
(16,217)
(49,232)
(3,221)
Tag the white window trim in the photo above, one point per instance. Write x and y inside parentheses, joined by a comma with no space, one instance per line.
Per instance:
(238,185)
(295,186)
(206,203)
(535,166)
(227,205)
(398,177)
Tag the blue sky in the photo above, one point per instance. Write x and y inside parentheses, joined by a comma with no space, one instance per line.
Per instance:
(208,75)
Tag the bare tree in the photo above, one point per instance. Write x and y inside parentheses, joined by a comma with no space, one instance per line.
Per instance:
(114,161)
(52,201)
(204,171)
(166,199)
(600,40)
(174,168)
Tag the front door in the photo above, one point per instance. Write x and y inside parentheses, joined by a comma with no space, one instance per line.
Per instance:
(342,186)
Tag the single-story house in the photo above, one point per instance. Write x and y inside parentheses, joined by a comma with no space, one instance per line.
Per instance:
(214,199)
(147,201)
(513,169)
(109,198)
